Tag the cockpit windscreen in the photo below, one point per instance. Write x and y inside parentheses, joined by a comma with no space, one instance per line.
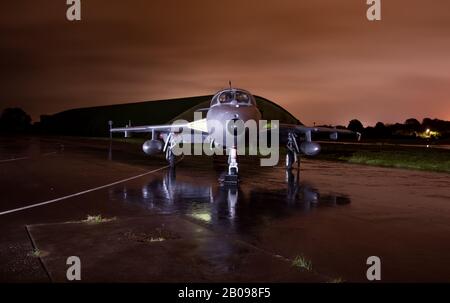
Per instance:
(236,96)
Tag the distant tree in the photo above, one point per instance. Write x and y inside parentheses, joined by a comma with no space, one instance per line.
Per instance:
(413,124)
(369,132)
(381,131)
(436,125)
(355,125)
(15,120)
(426,122)
(412,121)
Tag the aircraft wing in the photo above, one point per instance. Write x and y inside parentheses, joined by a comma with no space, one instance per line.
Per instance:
(149,128)
(199,125)
(308,130)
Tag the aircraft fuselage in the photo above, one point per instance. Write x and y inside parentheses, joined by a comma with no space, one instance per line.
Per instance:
(239,107)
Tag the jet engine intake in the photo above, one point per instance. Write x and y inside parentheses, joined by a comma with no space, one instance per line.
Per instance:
(310,148)
(151,147)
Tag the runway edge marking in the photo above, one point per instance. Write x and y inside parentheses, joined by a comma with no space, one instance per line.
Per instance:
(26,158)
(83,192)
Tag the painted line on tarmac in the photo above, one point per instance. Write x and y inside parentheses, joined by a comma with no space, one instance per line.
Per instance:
(25,158)
(14,159)
(83,192)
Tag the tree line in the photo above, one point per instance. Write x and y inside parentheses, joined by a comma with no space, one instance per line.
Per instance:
(16,120)
(411,128)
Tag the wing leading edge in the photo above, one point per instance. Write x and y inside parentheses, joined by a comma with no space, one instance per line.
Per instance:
(308,130)
(150,128)
(199,125)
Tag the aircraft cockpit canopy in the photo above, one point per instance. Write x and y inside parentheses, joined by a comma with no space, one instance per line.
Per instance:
(233,97)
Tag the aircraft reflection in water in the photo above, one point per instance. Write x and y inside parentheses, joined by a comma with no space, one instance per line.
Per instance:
(228,206)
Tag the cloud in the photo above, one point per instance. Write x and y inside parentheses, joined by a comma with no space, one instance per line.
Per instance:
(322,60)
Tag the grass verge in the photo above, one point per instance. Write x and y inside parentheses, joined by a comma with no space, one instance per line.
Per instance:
(417,158)
(302,262)
(97,219)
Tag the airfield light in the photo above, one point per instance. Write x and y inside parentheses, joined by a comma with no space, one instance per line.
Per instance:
(428,133)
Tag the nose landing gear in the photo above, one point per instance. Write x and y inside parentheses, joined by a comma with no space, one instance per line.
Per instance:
(232,177)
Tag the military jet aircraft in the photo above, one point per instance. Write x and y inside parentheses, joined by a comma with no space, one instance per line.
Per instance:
(231,104)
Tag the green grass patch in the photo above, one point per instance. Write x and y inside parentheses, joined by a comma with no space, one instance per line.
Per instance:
(337,280)
(417,158)
(302,262)
(37,253)
(159,234)
(97,219)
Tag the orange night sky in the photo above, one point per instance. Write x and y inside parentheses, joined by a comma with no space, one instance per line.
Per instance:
(320,59)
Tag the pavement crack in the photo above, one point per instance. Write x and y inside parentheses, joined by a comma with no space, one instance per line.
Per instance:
(33,244)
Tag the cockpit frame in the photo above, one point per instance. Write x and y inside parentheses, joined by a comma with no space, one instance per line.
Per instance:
(233,96)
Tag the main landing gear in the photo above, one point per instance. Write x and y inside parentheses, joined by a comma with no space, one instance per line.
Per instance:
(168,148)
(170,157)
(293,152)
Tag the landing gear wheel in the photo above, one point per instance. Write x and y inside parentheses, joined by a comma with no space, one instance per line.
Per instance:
(233,171)
(231,179)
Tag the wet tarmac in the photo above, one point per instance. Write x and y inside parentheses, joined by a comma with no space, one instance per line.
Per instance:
(332,215)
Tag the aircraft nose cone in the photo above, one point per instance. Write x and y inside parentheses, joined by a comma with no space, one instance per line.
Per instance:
(234,116)
(235,126)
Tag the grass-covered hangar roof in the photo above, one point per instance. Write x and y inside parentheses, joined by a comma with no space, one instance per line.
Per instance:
(93,121)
